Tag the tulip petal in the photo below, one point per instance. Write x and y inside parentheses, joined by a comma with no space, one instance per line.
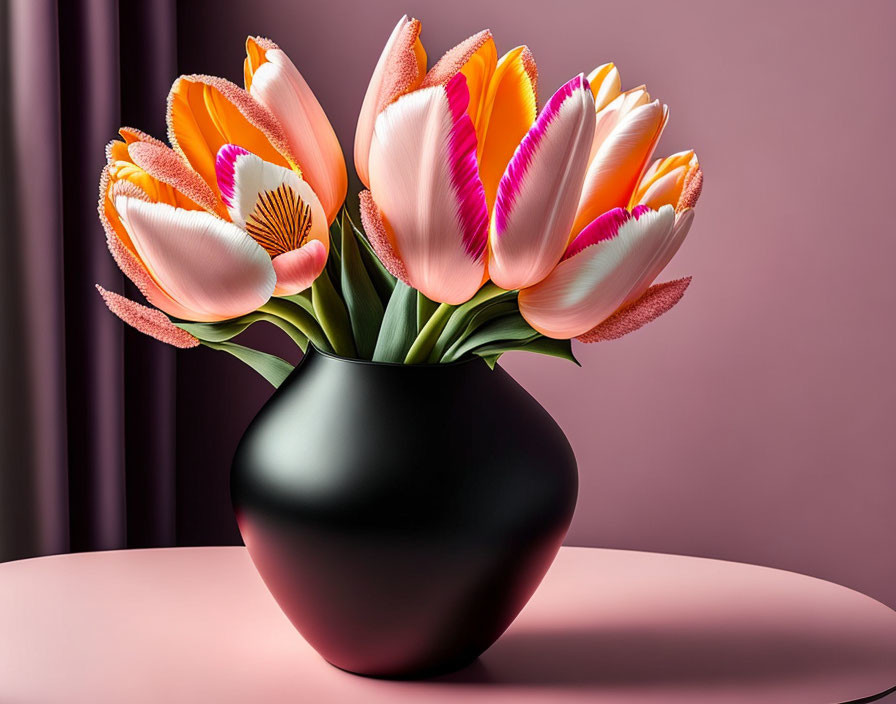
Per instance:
(538,194)
(588,287)
(605,84)
(663,182)
(425,181)
(205,113)
(619,161)
(657,300)
(147,320)
(690,193)
(400,69)
(209,266)
(380,239)
(297,269)
(273,204)
(165,165)
(131,135)
(510,109)
(278,85)
(603,228)
(456,58)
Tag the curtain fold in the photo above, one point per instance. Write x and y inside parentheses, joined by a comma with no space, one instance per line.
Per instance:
(87,448)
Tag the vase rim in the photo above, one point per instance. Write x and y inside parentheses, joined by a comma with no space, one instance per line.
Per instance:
(371,363)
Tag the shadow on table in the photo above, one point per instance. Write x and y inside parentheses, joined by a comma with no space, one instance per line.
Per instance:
(664,656)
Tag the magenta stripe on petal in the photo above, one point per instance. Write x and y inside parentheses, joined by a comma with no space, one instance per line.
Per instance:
(639,210)
(509,187)
(465,170)
(601,228)
(224,168)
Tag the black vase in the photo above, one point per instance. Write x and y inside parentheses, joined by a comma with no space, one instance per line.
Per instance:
(402,515)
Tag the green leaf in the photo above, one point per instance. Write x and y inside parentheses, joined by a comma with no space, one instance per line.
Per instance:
(271,367)
(426,338)
(287,311)
(365,309)
(512,328)
(540,345)
(331,314)
(460,318)
(334,259)
(228,329)
(399,326)
(382,280)
(302,299)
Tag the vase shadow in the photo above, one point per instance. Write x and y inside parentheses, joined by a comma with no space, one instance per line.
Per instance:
(664,655)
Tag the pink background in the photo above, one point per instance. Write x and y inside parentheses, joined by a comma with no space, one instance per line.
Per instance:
(756,421)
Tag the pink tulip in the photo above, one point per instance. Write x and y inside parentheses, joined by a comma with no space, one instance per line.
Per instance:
(274,81)
(608,267)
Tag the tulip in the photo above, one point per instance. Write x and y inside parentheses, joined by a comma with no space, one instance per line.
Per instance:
(675,180)
(608,268)
(201,258)
(501,102)
(626,132)
(274,81)
(163,232)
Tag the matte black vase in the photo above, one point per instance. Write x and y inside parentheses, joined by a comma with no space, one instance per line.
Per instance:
(402,515)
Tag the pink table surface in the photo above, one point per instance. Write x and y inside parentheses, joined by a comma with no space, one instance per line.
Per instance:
(197,625)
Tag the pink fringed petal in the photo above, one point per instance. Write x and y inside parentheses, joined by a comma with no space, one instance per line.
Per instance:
(165,165)
(147,320)
(454,59)
(690,193)
(297,269)
(375,229)
(397,72)
(657,300)
(131,135)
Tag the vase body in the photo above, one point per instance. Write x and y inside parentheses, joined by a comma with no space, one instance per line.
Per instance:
(400,515)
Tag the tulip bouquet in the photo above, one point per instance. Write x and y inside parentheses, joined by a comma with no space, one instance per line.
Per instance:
(487,225)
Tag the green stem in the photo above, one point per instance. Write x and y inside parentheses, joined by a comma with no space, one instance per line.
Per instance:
(429,334)
(425,309)
(295,316)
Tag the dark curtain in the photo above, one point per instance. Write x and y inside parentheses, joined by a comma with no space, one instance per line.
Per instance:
(89,445)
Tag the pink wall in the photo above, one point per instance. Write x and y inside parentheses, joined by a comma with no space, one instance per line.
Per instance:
(756,421)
